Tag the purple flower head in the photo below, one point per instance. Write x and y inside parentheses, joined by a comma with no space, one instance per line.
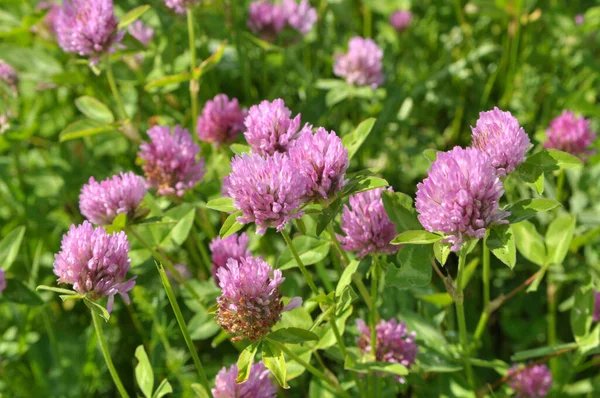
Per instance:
(51,16)
(362,64)
(499,135)
(393,342)
(300,16)
(101,202)
(460,196)
(170,162)
(94,262)
(268,190)
(532,382)
(570,134)
(596,317)
(141,32)
(180,6)
(8,76)
(269,128)
(266,19)
(222,120)
(250,302)
(222,250)
(87,27)
(323,159)
(225,187)
(2,280)
(258,385)
(366,225)
(579,19)
(400,20)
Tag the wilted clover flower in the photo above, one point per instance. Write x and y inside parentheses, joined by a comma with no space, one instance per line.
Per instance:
(170,160)
(300,16)
(362,64)
(266,19)
(87,27)
(400,20)
(222,250)
(101,202)
(532,382)
(8,76)
(269,128)
(460,196)
(258,385)
(180,6)
(94,262)
(499,135)
(570,134)
(268,190)
(323,159)
(222,120)
(250,303)
(2,280)
(141,32)
(366,225)
(393,342)
(596,317)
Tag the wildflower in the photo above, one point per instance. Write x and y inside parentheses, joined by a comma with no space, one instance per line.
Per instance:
(51,15)
(258,385)
(533,382)
(393,342)
(362,64)
(180,6)
(94,262)
(234,246)
(268,190)
(141,32)
(400,20)
(266,19)
(2,280)
(366,225)
(460,196)
(101,202)
(250,303)
(8,76)
(269,128)
(579,19)
(570,134)
(323,159)
(222,120)
(170,162)
(299,16)
(500,136)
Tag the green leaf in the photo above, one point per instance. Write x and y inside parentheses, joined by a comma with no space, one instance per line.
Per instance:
(582,312)
(200,390)
(442,250)
(362,181)
(415,270)
(541,352)
(441,299)
(238,149)
(532,174)
(551,159)
(274,360)
(168,80)
(203,326)
(9,247)
(17,292)
(132,16)
(558,238)
(143,372)
(292,335)
(57,290)
(430,154)
(337,95)
(311,250)
(210,62)
(528,208)
(354,140)
(579,241)
(185,215)
(501,242)
(231,225)
(366,367)
(222,204)
(245,361)
(431,361)
(529,242)
(94,109)
(84,128)
(346,277)
(163,389)
(327,215)
(400,210)
(416,238)
(97,308)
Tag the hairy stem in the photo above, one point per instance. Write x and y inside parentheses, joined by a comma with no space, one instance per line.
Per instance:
(460,314)
(115,90)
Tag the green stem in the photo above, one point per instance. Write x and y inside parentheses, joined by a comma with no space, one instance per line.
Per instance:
(194,87)
(316,372)
(486,274)
(115,90)
(184,329)
(367,20)
(109,362)
(373,323)
(552,339)
(305,272)
(460,314)
(560,182)
(342,345)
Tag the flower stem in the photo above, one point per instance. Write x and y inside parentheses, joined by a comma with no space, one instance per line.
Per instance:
(367,20)
(374,312)
(115,90)
(194,87)
(460,314)
(305,272)
(486,273)
(316,372)
(342,347)
(560,183)
(109,362)
(183,327)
